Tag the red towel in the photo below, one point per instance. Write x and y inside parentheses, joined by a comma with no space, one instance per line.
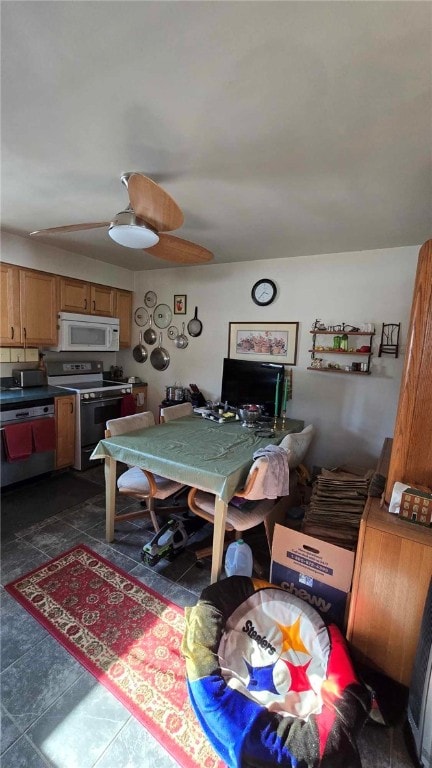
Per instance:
(128,407)
(44,435)
(18,441)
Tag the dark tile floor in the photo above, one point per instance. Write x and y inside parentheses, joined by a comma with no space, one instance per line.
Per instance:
(54,713)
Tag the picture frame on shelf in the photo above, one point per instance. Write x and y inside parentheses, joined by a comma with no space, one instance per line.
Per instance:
(270,342)
(180,303)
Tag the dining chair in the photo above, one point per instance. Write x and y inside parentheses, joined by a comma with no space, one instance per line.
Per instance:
(140,483)
(247,509)
(297,444)
(176,411)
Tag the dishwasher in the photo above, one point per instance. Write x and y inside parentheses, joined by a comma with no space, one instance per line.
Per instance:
(38,462)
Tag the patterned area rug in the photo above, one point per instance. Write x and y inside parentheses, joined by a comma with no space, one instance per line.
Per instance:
(127,636)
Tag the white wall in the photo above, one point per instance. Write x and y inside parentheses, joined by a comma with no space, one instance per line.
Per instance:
(352,414)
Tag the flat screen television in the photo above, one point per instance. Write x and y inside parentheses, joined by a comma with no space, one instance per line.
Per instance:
(249,381)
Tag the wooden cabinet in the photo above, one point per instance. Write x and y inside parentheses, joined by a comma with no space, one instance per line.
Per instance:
(31,300)
(28,308)
(123,310)
(102,300)
(391,577)
(38,308)
(411,459)
(65,431)
(74,295)
(139,393)
(355,362)
(87,298)
(10,326)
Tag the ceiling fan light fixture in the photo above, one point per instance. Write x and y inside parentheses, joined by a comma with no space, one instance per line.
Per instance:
(130,231)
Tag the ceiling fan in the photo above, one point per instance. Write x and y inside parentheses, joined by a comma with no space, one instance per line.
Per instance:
(151,212)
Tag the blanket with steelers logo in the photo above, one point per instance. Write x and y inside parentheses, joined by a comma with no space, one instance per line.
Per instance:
(270,682)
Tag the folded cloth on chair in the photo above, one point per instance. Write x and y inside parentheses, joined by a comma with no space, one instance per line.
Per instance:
(276,479)
(128,407)
(44,435)
(18,441)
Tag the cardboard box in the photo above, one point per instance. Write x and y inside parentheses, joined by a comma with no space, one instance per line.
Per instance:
(316,571)
(416,505)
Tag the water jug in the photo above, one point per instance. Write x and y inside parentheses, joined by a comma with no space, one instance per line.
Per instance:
(238,559)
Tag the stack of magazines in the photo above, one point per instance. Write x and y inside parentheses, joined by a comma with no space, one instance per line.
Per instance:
(336,506)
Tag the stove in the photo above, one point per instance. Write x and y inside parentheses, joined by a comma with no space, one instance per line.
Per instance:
(84,378)
(97,401)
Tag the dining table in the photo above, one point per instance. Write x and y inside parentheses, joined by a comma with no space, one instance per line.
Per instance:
(197,452)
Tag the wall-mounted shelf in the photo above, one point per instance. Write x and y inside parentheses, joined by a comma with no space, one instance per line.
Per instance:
(321,349)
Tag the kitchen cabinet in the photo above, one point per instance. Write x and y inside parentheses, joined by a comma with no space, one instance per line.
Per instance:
(10,327)
(139,393)
(31,300)
(65,431)
(87,298)
(38,308)
(28,307)
(392,572)
(123,310)
(361,365)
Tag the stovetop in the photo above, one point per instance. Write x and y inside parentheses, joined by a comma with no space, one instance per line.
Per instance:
(90,386)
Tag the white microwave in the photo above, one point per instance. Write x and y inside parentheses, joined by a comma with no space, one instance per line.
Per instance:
(87,333)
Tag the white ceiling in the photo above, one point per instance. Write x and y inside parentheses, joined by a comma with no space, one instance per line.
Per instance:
(280,128)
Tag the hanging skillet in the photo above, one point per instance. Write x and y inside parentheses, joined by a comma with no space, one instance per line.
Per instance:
(195,326)
(181,341)
(159,357)
(149,334)
(139,352)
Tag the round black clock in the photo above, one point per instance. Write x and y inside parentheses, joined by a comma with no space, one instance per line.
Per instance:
(264,292)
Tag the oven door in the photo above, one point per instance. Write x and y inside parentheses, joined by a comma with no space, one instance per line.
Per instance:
(94,415)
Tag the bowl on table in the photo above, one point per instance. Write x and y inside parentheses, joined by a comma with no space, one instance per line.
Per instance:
(250,414)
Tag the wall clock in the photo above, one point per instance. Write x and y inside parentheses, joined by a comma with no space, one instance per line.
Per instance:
(264,292)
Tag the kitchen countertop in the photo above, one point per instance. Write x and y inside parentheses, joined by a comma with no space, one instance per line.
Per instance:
(21,396)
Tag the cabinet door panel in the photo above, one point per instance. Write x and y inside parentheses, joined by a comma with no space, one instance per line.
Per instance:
(123,311)
(74,296)
(38,302)
(10,306)
(102,300)
(394,577)
(65,431)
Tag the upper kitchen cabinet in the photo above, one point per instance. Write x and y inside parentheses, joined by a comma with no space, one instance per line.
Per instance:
(28,307)
(74,296)
(10,327)
(123,310)
(38,308)
(87,298)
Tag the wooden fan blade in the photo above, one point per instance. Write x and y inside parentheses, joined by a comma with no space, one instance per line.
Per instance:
(180,251)
(71,228)
(151,203)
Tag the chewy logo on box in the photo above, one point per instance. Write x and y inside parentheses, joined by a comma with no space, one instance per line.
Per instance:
(317,572)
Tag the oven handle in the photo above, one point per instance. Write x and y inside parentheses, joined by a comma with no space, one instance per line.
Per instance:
(102,400)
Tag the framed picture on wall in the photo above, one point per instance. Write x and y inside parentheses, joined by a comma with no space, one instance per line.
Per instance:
(269,342)
(180,302)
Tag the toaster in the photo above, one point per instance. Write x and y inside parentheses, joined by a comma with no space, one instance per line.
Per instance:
(28,378)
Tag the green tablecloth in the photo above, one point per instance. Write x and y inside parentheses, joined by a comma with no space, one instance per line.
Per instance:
(194,451)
